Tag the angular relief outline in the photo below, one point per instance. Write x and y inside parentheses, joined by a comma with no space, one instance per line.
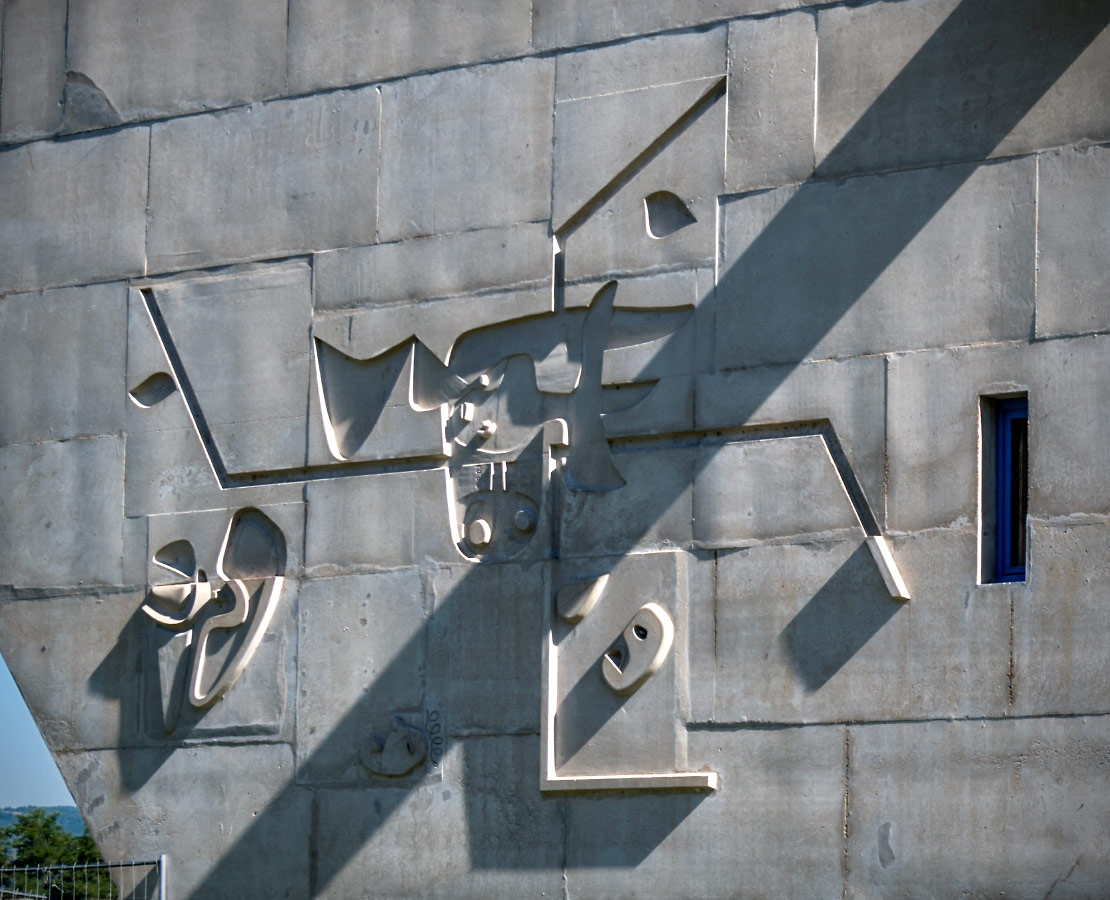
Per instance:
(568,423)
(550,779)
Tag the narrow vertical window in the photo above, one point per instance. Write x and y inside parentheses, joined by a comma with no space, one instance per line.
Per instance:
(1012,488)
(1005,487)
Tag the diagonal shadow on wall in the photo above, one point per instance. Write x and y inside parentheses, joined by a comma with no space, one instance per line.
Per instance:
(838,620)
(996,56)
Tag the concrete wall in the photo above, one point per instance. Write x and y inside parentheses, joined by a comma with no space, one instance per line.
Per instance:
(371,370)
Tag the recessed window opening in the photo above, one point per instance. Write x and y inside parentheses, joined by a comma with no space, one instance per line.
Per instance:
(1005,487)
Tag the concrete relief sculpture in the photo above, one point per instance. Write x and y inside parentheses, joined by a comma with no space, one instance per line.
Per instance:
(640,650)
(153,390)
(614,669)
(534,420)
(397,753)
(517,415)
(575,599)
(235,607)
(503,413)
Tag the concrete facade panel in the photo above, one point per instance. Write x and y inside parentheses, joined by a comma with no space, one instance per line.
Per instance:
(917,259)
(1002,823)
(444,134)
(632,65)
(396,520)
(258,707)
(160,783)
(1073,220)
(934,415)
(303,172)
(1059,622)
(63,523)
(441,266)
(782,792)
(596,137)
(841,649)
(170,472)
(484,830)
(949,81)
(1067,424)
(243,345)
(569,23)
(774,488)
(380,534)
(332,43)
(771,108)
(599,731)
(929,404)
(54,191)
(50,387)
(33,69)
(664,215)
(847,394)
(654,508)
(42,649)
(484,646)
(361,661)
(130,59)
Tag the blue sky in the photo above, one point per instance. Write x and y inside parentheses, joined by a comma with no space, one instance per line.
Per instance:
(28,775)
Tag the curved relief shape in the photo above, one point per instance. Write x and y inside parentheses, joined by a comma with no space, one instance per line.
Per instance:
(665,213)
(354,392)
(398,753)
(176,605)
(178,557)
(508,517)
(500,411)
(640,651)
(268,593)
(153,390)
(497,508)
(576,598)
(251,564)
(253,547)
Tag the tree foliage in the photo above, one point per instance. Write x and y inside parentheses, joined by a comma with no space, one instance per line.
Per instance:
(36,839)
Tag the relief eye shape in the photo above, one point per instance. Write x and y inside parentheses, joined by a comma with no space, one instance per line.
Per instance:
(640,650)
(153,391)
(665,213)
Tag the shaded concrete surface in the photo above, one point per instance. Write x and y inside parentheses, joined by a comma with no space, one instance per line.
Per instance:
(914,232)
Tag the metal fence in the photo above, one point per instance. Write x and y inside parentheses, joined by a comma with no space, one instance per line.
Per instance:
(133,880)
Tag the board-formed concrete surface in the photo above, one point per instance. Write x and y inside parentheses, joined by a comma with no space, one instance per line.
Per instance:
(545,448)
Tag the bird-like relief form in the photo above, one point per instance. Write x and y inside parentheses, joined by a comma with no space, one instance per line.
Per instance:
(241,601)
(515,400)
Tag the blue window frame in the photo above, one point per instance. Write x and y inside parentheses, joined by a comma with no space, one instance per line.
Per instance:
(1011,487)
